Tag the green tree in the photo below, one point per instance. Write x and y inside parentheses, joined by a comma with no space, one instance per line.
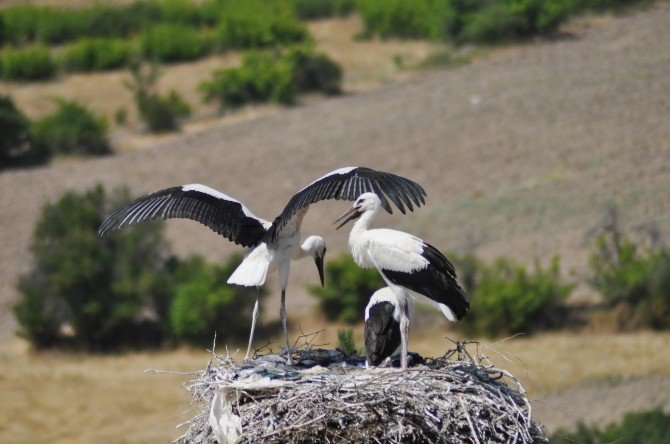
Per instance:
(16,147)
(105,289)
(348,290)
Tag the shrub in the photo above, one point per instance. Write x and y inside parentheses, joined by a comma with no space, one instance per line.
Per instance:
(345,340)
(20,24)
(28,63)
(72,129)
(315,72)
(633,279)
(263,76)
(16,146)
(97,54)
(650,427)
(258,24)
(507,299)
(405,19)
(348,290)
(171,43)
(160,113)
(205,304)
(103,288)
(314,9)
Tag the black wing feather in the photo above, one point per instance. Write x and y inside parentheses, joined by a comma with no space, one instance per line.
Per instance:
(349,184)
(226,217)
(437,281)
(382,333)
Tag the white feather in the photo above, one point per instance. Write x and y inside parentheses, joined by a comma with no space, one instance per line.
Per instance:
(254,268)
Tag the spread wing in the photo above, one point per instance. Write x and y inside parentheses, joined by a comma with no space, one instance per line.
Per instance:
(349,183)
(200,203)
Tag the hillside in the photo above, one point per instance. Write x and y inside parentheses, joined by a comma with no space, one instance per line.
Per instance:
(520,151)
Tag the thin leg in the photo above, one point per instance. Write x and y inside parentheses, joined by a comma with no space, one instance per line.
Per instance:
(254,317)
(282,313)
(404,331)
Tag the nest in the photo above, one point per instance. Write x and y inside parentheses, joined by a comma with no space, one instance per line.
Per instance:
(329,396)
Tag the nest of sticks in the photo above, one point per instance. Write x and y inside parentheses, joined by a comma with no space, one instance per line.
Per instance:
(329,396)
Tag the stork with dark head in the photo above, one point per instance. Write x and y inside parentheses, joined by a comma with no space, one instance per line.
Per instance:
(411,267)
(272,245)
(382,325)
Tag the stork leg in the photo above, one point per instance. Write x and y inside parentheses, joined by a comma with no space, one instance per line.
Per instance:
(404,332)
(254,317)
(282,313)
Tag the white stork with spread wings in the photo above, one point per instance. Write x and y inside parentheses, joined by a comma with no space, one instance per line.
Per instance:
(272,244)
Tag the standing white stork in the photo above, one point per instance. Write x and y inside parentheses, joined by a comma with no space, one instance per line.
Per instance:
(272,245)
(410,266)
(382,325)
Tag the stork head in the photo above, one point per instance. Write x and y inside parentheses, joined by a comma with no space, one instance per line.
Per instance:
(315,246)
(366,202)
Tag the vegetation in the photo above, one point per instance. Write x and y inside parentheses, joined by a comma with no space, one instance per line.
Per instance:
(204,304)
(173,43)
(16,147)
(650,427)
(159,112)
(348,290)
(634,280)
(89,292)
(273,76)
(28,63)
(345,340)
(314,9)
(71,129)
(97,54)
(507,299)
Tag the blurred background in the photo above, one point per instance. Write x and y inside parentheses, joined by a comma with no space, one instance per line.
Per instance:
(539,129)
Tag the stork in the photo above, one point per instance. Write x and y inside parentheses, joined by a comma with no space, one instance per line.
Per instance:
(408,265)
(272,244)
(382,325)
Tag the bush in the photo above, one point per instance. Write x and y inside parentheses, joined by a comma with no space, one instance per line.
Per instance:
(420,19)
(315,72)
(97,54)
(204,304)
(507,299)
(29,63)
(634,280)
(650,427)
(348,290)
(263,76)
(172,43)
(315,9)
(105,289)
(272,76)
(16,147)
(258,24)
(71,129)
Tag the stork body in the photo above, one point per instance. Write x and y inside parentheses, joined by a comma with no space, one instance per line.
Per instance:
(410,267)
(272,244)
(382,325)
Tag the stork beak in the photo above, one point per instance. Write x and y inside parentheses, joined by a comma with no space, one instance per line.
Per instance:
(353,214)
(319,266)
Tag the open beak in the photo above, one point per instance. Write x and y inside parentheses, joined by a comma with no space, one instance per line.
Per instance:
(319,266)
(353,214)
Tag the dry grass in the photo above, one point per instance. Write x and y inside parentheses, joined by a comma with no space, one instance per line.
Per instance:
(63,397)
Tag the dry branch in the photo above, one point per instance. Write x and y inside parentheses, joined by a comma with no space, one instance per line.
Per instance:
(329,397)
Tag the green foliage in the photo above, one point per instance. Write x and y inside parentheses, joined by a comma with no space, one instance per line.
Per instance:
(71,129)
(27,63)
(205,304)
(314,72)
(405,19)
(160,113)
(348,290)
(315,9)
(172,43)
(16,147)
(263,76)
(345,340)
(650,427)
(103,288)
(274,76)
(636,280)
(97,54)
(258,24)
(507,299)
